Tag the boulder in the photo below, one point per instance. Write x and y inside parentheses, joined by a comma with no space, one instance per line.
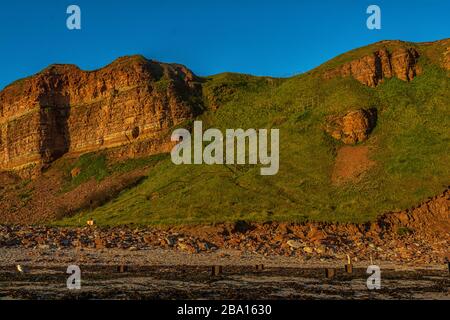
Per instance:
(294,244)
(353,127)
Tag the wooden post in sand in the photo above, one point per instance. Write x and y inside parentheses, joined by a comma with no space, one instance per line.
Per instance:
(330,273)
(349,266)
(122,268)
(216,271)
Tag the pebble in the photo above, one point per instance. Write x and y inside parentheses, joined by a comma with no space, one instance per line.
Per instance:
(308,249)
(320,250)
(294,244)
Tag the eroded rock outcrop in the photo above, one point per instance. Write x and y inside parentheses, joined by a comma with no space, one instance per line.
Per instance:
(353,127)
(431,217)
(129,104)
(381,64)
(447,59)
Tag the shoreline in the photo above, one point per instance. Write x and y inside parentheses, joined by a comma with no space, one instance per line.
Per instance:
(164,274)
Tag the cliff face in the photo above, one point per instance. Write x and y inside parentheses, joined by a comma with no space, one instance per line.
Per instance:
(372,69)
(129,104)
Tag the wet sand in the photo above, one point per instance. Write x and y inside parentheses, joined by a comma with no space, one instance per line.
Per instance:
(169,274)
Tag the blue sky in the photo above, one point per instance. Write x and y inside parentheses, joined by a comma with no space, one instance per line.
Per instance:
(261,37)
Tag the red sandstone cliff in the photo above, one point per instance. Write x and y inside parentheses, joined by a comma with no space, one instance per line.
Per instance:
(381,64)
(388,59)
(130,104)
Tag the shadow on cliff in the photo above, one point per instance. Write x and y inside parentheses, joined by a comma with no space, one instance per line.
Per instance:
(55,113)
(187,86)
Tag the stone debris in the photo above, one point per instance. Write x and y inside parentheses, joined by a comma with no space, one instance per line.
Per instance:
(427,239)
(386,246)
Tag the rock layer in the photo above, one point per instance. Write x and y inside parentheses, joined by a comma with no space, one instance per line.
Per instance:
(130,104)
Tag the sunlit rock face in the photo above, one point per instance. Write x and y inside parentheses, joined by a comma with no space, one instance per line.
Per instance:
(129,105)
(382,64)
(353,127)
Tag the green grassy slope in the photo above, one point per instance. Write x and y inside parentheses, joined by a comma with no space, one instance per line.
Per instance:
(410,145)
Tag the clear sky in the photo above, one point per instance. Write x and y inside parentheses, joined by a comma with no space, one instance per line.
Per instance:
(261,37)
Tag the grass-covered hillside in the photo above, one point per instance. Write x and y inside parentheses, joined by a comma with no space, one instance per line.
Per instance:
(408,151)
